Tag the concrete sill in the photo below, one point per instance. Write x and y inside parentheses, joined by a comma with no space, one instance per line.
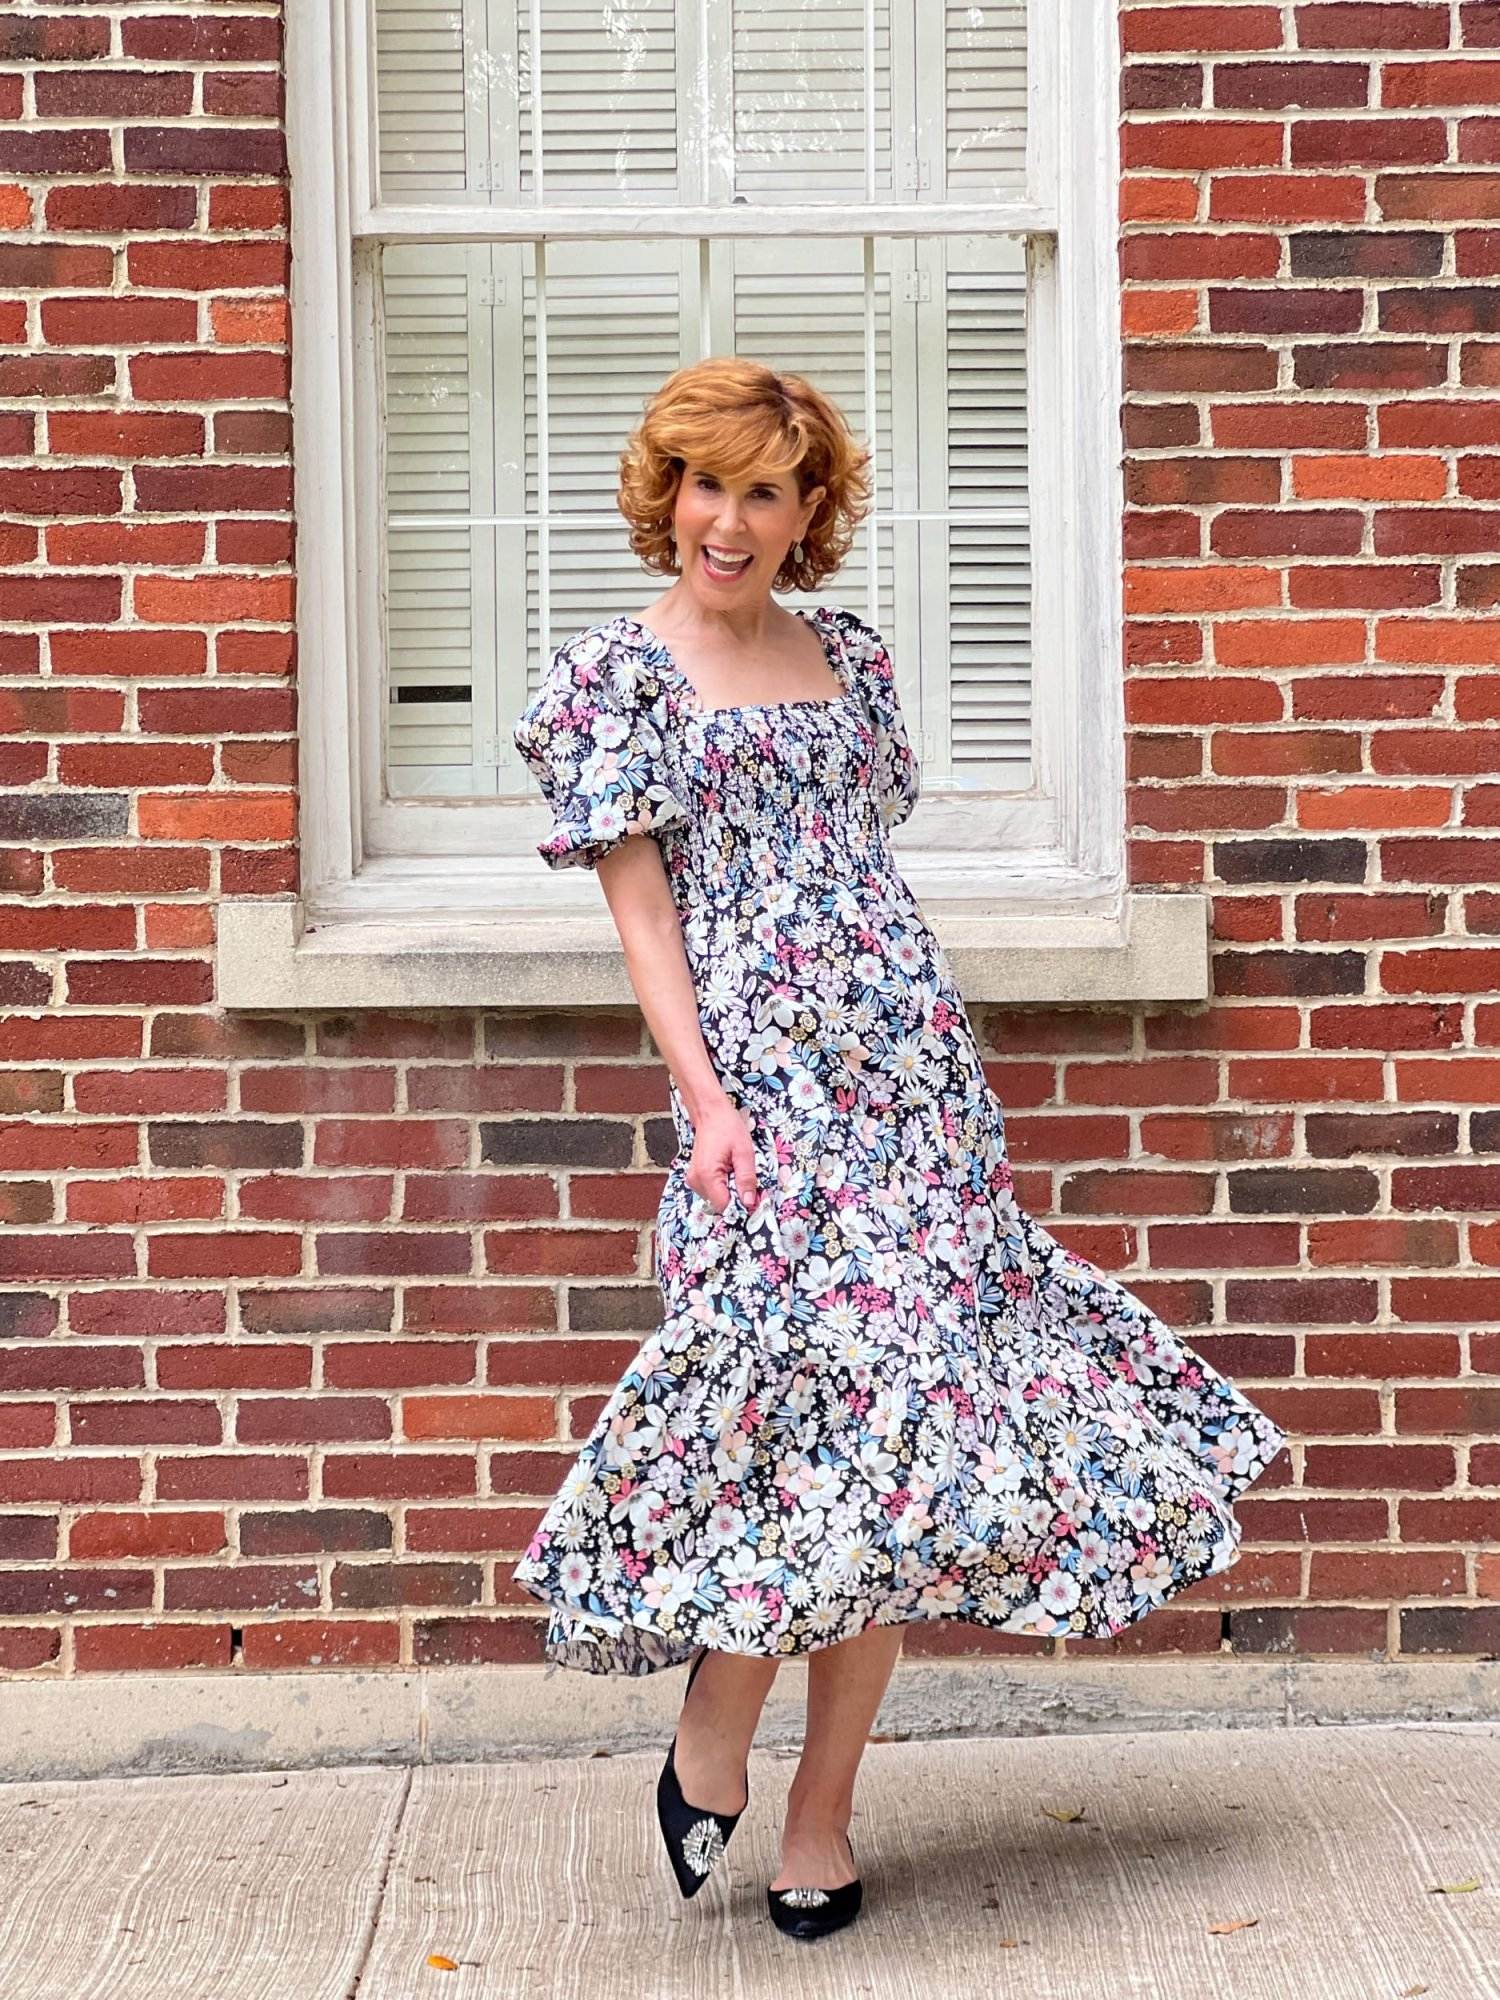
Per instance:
(1156,948)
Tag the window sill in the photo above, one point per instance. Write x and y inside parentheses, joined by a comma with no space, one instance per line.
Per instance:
(1156,948)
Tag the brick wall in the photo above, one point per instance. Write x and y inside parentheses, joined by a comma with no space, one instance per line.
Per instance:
(300,1319)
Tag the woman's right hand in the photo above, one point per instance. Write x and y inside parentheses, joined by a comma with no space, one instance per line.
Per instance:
(723,1154)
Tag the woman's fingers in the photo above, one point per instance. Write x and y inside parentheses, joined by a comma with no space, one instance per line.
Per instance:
(744,1171)
(732,1171)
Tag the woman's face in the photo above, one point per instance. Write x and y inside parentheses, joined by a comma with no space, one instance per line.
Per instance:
(733,534)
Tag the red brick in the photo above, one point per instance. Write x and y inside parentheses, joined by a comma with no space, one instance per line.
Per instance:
(396,1143)
(61,491)
(251,1364)
(156,1647)
(55,266)
(404,1364)
(116,207)
(224,1254)
(1373,24)
(323,1642)
(398,1475)
(311,1420)
(52,39)
(1200,30)
(256,205)
(479,1417)
(208,378)
(113,93)
(126,654)
(230,1476)
(117,322)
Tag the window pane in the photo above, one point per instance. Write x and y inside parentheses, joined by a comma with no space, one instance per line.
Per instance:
(984,80)
(609,101)
(440,453)
(431,100)
(809,95)
(739,101)
(513,374)
(456,100)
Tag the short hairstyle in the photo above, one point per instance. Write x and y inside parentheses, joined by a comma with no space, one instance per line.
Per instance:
(734,417)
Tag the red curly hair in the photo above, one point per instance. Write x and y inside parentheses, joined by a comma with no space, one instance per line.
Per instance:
(734,417)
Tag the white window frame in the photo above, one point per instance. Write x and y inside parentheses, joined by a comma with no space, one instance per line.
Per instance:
(476,922)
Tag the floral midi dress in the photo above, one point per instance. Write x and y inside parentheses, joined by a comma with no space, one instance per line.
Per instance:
(883,1392)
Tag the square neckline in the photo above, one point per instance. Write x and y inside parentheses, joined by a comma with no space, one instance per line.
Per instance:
(813,619)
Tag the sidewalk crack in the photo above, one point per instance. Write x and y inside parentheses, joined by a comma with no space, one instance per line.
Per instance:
(377,1908)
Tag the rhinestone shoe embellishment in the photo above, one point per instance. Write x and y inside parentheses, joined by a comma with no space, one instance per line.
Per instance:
(803,1899)
(703,1846)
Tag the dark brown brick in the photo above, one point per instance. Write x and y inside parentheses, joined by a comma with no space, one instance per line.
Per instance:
(1302,1191)
(556,1142)
(224,1143)
(315,1531)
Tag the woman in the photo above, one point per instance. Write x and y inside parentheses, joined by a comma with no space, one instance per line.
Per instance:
(880,1392)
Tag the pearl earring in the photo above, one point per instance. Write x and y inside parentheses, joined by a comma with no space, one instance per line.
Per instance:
(797,553)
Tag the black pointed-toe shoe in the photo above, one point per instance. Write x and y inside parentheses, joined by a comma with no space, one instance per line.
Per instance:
(695,1837)
(814,1913)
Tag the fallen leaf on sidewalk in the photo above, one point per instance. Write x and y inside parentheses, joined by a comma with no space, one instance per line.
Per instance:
(1412,1992)
(441,1964)
(1454,1888)
(1063,1812)
(1235,1924)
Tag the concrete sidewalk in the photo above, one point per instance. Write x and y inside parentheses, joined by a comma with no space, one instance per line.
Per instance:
(1243,1864)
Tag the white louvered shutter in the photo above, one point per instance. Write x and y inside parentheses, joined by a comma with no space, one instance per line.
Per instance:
(989,562)
(620,318)
(984,93)
(609,100)
(435,62)
(440,471)
(800,307)
(803,94)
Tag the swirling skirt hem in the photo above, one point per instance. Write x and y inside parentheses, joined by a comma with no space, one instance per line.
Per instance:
(639,1645)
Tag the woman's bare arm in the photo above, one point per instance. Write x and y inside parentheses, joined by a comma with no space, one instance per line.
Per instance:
(634,880)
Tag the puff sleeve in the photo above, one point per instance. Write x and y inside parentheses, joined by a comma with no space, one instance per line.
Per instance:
(589,739)
(898,772)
